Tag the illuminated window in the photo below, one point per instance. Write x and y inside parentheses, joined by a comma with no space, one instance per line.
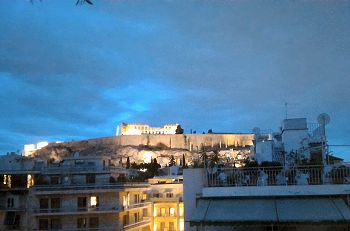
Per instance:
(172,212)
(94,201)
(162,212)
(7,180)
(182,225)
(181,211)
(144,197)
(30,181)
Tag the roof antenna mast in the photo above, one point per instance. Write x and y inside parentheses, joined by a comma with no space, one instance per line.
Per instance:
(286,109)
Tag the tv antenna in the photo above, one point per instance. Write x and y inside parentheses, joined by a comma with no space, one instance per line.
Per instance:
(324,119)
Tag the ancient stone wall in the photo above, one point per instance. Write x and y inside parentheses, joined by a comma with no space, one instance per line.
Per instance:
(178,141)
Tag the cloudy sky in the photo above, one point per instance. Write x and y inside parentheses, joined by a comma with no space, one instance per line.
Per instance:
(74,72)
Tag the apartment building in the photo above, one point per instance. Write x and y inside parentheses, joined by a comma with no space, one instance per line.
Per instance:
(167,204)
(265,199)
(77,193)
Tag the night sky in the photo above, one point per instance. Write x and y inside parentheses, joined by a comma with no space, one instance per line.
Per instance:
(72,72)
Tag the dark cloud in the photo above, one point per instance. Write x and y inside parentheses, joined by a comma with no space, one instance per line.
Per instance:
(70,72)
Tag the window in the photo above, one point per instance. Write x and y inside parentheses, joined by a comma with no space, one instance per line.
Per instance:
(136,217)
(169,195)
(10,202)
(171,226)
(125,220)
(144,197)
(44,204)
(181,210)
(145,212)
(13,219)
(93,222)
(162,226)
(94,201)
(136,198)
(56,223)
(81,223)
(44,224)
(90,178)
(156,195)
(81,203)
(55,204)
(171,212)
(55,180)
(162,212)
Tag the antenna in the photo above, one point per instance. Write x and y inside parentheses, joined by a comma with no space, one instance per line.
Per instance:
(286,109)
(324,119)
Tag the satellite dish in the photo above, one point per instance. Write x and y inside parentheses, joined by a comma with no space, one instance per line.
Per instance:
(256,131)
(323,119)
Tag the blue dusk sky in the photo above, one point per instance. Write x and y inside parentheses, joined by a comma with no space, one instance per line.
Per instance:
(72,72)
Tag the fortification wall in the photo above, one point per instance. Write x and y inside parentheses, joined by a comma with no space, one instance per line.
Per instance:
(180,141)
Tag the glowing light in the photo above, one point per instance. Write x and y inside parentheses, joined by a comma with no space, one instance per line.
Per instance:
(93,201)
(41,144)
(30,181)
(182,225)
(147,157)
(172,212)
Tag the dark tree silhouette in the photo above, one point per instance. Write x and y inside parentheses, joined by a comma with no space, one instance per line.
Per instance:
(172,161)
(127,162)
(179,130)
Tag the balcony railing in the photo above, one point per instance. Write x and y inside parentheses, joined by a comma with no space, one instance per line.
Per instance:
(64,187)
(137,205)
(144,221)
(59,211)
(266,176)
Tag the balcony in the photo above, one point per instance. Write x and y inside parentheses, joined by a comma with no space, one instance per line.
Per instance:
(145,221)
(278,176)
(43,189)
(167,199)
(277,181)
(137,205)
(75,211)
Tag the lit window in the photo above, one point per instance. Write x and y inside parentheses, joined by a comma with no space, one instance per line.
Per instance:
(30,181)
(94,201)
(172,212)
(181,210)
(182,225)
(162,212)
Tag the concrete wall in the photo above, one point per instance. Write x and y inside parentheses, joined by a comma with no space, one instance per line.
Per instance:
(193,185)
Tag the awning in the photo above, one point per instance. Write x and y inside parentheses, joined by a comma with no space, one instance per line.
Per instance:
(271,210)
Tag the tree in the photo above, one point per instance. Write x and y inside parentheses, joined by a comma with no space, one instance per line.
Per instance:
(179,130)
(210,131)
(183,160)
(172,161)
(127,162)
